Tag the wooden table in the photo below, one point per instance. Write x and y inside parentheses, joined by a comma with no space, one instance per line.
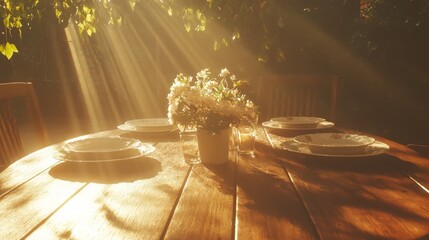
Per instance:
(276,195)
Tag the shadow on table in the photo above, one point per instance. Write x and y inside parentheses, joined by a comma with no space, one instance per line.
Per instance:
(265,193)
(107,172)
(153,137)
(223,176)
(426,236)
(375,164)
(365,184)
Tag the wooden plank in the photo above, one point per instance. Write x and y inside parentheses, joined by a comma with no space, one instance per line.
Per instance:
(355,200)
(127,200)
(268,206)
(360,198)
(417,165)
(21,171)
(27,205)
(206,208)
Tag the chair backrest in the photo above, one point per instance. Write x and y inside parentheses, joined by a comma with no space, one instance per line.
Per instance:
(11,147)
(297,95)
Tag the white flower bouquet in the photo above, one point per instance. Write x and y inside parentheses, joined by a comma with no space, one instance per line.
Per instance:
(207,102)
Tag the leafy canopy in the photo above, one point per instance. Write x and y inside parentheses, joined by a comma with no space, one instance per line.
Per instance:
(19,15)
(257,24)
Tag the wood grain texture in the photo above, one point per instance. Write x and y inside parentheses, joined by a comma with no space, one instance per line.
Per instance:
(360,198)
(127,200)
(26,206)
(267,204)
(419,162)
(206,208)
(355,200)
(25,169)
(276,195)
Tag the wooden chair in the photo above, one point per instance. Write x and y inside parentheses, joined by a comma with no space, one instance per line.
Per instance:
(297,95)
(11,147)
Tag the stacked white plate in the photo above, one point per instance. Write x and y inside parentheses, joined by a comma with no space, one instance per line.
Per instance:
(297,123)
(103,149)
(148,125)
(335,144)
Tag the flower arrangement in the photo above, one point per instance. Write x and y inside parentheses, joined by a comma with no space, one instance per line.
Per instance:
(208,102)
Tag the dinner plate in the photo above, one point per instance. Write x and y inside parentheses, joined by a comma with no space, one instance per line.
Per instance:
(126,127)
(275,125)
(297,122)
(373,149)
(150,124)
(335,143)
(101,145)
(103,149)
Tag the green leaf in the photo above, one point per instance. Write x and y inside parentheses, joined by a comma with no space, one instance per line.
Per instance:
(6,21)
(262,59)
(12,46)
(7,4)
(58,13)
(17,22)
(86,9)
(81,27)
(8,49)
(187,27)
(236,36)
(216,46)
(89,18)
(132,4)
(225,42)
(119,21)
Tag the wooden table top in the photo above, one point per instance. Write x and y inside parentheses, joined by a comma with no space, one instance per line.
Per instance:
(275,195)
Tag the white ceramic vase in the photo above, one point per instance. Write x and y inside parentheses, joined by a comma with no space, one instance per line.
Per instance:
(213,146)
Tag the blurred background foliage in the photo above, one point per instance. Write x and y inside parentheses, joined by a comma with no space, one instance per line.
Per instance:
(377,47)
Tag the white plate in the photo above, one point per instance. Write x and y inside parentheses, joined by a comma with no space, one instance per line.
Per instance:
(138,152)
(275,125)
(297,122)
(126,127)
(335,143)
(334,140)
(101,145)
(150,124)
(373,149)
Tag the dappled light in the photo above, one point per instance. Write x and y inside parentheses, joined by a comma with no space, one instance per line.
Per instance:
(131,75)
(177,119)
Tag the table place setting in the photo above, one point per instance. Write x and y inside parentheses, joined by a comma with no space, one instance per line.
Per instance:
(297,123)
(335,145)
(103,149)
(211,160)
(148,125)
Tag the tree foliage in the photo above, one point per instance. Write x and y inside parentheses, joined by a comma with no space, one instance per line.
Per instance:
(394,32)
(258,24)
(273,29)
(19,16)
